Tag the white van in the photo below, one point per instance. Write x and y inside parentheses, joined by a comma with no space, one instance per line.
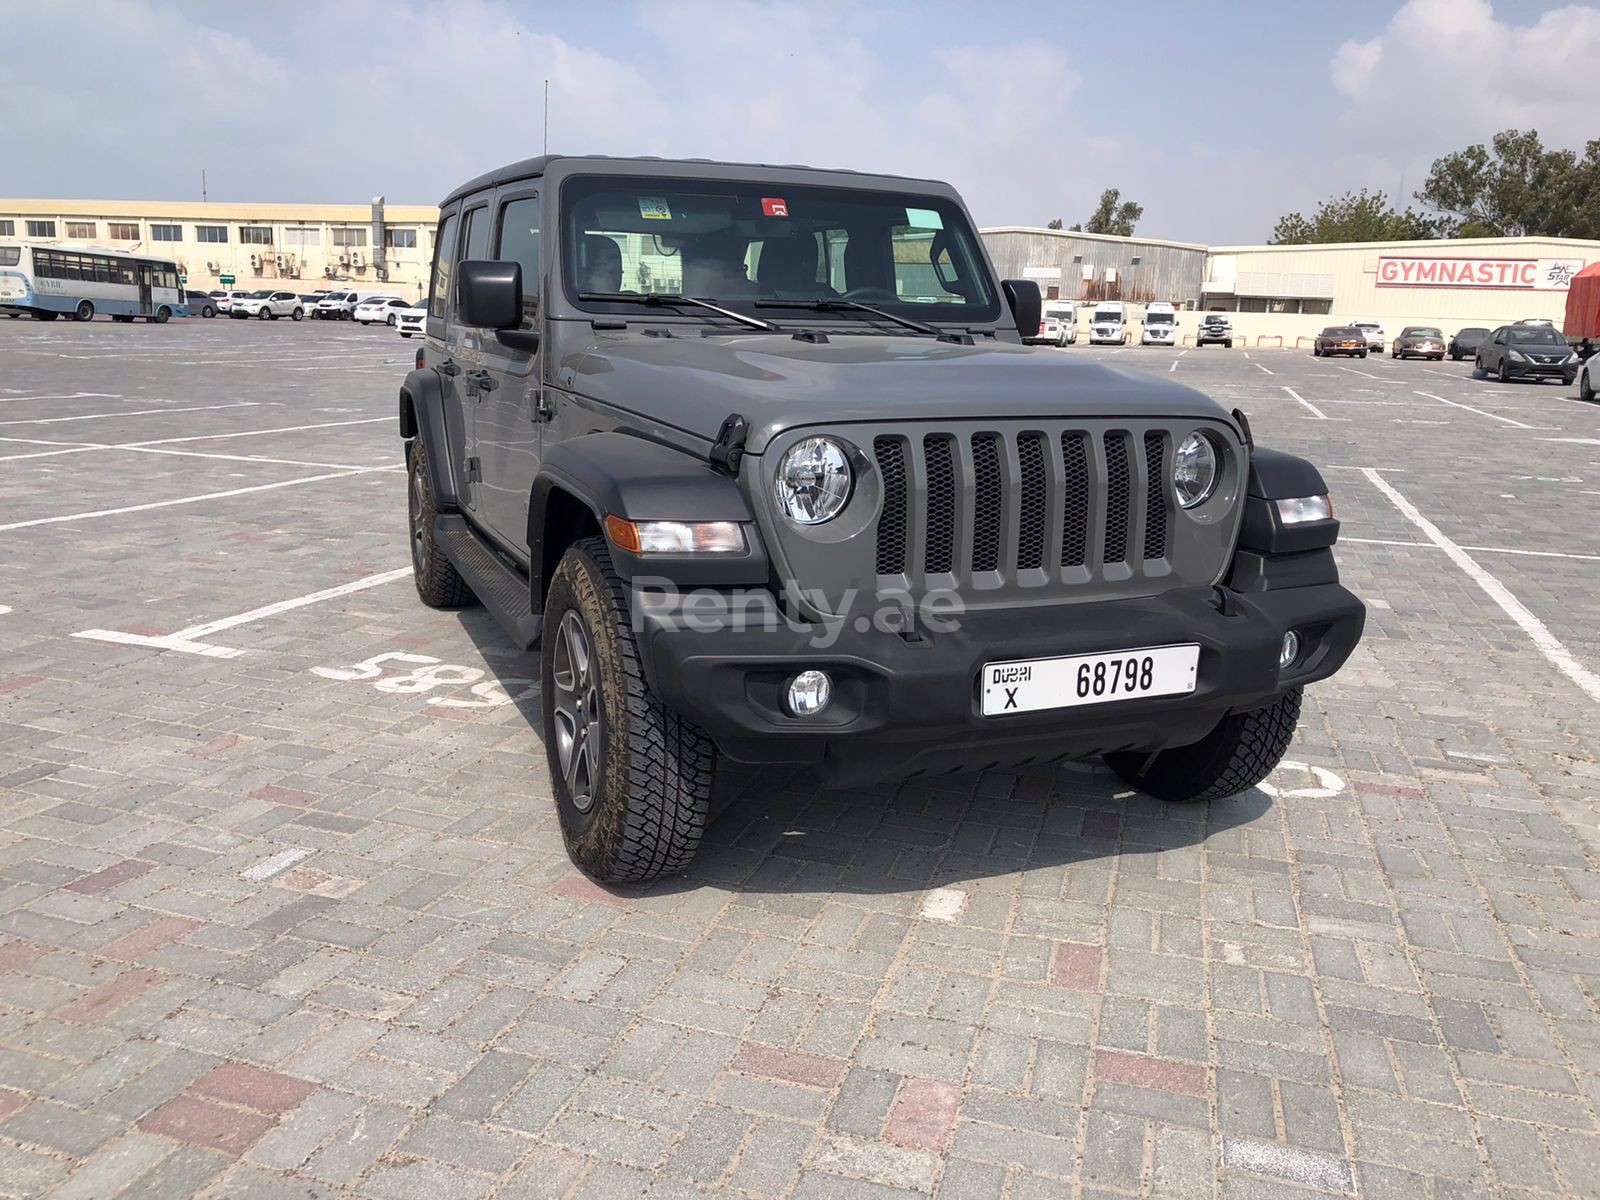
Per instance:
(1060,324)
(341,306)
(1109,325)
(1160,325)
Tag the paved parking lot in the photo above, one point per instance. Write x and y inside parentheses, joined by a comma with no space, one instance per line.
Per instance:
(284,909)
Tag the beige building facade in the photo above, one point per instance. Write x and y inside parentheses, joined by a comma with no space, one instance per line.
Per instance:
(300,247)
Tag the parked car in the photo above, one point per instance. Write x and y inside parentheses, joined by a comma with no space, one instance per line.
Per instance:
(1214,329)
(787,493)
(379,310)
(1418,341)
(1589,378)
(225,300)
(267,305)
(1058,326)
(413,318)
(1527,352)
(1373,332)
(1466,342)
(309,303)
(200,305)
(341,305)
(1340,339)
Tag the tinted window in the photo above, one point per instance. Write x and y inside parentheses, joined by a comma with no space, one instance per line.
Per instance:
(443,255)
(519,243)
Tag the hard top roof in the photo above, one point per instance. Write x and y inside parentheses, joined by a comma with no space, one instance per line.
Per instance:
(530,167)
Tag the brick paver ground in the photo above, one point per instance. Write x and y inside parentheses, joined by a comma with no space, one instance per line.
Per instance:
(295,921)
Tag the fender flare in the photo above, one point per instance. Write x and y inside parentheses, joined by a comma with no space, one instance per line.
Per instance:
(1275,475)
(617,474)
(422,416)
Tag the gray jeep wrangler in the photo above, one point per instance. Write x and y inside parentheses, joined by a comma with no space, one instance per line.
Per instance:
(757,457)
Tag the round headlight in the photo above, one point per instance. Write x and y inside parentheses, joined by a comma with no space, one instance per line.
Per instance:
(1195,470)
(814,480)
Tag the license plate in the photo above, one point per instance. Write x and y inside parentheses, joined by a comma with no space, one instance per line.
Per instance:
(1031,685)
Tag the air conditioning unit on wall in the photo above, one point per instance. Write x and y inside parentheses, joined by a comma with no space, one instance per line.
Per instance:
(356,260)
(211,266)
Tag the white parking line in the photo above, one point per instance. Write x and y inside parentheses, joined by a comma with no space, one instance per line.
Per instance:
(1549,645)
(137,412)
(73,396)
(1353,371)
(79,447)
(184,640)
(1478,549)
(1315,411)
(1479,411)
(1259,367)
(64,518)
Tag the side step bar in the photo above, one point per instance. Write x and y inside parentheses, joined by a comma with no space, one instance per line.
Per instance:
(503,591)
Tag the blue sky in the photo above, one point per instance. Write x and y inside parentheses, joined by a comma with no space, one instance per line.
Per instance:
(1218,118)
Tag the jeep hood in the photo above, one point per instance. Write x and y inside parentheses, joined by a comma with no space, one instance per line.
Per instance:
(778,382)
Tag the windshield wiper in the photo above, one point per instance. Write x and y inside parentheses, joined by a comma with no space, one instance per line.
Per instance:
(832,304)
(674,300)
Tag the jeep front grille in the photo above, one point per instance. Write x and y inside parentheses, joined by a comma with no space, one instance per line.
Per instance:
(1071,506)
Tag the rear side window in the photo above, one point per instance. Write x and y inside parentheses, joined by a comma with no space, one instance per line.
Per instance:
(444,248)
(519,243)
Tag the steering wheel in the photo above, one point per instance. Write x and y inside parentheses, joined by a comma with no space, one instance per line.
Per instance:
(869,293)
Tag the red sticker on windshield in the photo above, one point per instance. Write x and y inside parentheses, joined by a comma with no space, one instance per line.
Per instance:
(773,206)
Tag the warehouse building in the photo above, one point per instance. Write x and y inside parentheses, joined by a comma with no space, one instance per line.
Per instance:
(1291,292)
(301,247)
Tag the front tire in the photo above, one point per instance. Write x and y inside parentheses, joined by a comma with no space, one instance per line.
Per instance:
(1228,345)
(1505,372)
(632,779)
(438,583)
(1235,756)
(163,315)
(84,311)
(264,313)
(1585,388)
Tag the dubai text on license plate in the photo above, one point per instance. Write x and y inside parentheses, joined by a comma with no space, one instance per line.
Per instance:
(1030,685)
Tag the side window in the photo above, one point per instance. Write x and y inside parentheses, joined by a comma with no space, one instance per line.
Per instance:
(444,248)
(475,239)
(519,243)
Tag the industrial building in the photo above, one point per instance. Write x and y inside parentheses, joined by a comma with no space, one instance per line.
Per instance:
(1293,291)
(302,247)
(1287,292)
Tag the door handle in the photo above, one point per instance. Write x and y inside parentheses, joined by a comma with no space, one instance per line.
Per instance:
(482,381)
(449,369)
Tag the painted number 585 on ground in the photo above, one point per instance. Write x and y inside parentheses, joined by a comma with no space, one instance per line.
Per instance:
(387,673)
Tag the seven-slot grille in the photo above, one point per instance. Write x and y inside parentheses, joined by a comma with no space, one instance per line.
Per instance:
(992,507)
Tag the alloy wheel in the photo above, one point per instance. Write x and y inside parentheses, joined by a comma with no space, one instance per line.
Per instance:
(577,710)
(419,529)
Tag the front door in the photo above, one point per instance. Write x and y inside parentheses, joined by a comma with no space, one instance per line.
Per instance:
(507,428)
(146,284)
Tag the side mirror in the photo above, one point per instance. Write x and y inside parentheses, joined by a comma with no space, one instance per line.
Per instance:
(1026,304)
(489,294)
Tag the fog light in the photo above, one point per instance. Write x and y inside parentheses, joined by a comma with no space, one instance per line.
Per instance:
(809,693)
(1290,650)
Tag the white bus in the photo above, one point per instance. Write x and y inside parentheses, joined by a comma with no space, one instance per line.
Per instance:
(82,281)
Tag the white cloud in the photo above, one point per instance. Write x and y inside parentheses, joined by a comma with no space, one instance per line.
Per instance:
(1446,72)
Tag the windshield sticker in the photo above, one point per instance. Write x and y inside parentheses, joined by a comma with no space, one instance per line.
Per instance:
(654,208)
(774,206)
(923,218)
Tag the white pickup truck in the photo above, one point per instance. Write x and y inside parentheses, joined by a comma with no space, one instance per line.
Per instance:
(268,305)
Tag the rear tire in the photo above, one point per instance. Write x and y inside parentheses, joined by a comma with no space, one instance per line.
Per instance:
(438,583)
(389,321)
(1235,756)
(634,791)
(84,312)
(208,312)
(264,313)
(298,313)
(1585,388)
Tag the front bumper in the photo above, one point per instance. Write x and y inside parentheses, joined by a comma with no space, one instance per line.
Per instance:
(1567,372)
(906,707)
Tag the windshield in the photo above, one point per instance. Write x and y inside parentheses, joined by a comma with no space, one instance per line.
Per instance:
(257,295)
(1536,335)
(1060,314)
(1366,326)
(1342,331)
(1111,316)
(739,241)
(1158,318)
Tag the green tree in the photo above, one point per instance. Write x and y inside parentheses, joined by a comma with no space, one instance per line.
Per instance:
(1354,217)
(1515,187)
(1055,223)
(1113,215)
